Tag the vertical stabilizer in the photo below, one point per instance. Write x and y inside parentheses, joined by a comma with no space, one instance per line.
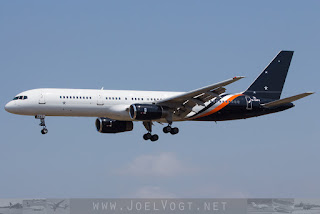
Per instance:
(269,83)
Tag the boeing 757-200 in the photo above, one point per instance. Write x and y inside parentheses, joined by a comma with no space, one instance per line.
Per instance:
(117,109)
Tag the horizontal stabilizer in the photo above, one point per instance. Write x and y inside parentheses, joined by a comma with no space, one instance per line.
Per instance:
(286,100)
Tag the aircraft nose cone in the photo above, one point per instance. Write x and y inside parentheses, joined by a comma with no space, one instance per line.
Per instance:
(9,107)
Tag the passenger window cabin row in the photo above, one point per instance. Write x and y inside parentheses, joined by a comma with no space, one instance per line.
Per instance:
(75,97)
(107,98)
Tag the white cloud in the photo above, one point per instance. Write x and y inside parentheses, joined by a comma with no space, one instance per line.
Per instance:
(165,165)
(153,192)
(212,190)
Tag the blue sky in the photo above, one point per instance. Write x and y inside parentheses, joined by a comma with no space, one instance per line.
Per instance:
(159,45)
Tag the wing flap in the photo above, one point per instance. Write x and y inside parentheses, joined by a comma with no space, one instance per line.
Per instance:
(286,100)
(198,93)
(183,104)
(206,96)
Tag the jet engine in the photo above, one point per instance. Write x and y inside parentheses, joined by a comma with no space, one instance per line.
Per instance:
(147,112)
(106,125)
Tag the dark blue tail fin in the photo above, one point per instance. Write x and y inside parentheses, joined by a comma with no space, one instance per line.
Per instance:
(270,82)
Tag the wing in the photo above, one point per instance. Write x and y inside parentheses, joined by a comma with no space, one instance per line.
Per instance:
(182,104)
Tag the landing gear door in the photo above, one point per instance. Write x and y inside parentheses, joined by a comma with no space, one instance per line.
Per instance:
(100,100)
(42,99)
(249,103)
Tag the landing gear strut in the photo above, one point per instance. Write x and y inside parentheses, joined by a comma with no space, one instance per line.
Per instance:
(149,136)
(42,123)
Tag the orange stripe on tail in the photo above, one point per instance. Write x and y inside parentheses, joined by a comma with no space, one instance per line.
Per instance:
(219,107)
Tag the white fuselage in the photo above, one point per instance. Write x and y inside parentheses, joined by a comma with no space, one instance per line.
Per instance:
(113,104)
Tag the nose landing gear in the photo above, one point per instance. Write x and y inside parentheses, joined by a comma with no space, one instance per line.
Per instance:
(44,131)
(42,123)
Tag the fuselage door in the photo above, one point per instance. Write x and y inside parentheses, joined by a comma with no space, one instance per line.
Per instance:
(249,103)
(100,100)
(42,99)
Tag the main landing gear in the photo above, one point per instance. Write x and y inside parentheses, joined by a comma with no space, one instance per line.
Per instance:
(168,128)
(172,131)
(149,136)
(42,123)
(155,137)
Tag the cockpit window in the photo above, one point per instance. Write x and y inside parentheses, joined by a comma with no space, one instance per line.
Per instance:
(20,98)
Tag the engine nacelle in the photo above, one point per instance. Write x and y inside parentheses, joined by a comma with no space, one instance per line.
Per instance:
(146,112)
(106,125)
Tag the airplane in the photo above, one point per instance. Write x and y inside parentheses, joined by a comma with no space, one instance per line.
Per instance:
(13,206)
(54,206)
(259,206)
(116,110)
(307,206)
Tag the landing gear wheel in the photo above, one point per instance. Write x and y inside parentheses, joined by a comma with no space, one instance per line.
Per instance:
(174,131)
(44,131)
(147,136)
(154,137)
(167,129)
